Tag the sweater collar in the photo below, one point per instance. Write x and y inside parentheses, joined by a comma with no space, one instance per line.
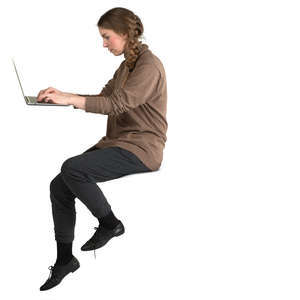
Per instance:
(124,76)
(144,47)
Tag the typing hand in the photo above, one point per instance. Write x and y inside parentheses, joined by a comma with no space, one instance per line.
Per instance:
(52,95)
(41,97)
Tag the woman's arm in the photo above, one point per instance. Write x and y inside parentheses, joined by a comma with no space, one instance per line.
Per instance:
(78,101)
(141,86)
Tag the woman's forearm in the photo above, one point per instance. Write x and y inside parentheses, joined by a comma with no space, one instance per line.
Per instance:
(77,101)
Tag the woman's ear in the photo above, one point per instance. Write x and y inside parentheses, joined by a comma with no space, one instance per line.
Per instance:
(125,36)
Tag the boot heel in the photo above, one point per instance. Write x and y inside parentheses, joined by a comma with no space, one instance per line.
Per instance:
(120,232)
(76,268)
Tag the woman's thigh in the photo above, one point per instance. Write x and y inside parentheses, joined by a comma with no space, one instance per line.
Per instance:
(103,164)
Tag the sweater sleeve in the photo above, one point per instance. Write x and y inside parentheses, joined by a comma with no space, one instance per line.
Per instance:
(141,85)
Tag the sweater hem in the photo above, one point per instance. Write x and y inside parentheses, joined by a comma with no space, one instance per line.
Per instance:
(141,154)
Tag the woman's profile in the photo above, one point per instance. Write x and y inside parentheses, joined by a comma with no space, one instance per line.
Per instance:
(135,102)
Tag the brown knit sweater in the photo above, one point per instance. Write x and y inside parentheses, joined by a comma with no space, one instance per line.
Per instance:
(136,109)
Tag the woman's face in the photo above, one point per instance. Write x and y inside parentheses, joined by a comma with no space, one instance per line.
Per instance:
(113,41)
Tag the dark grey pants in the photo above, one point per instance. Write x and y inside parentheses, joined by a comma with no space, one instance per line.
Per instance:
(78,178)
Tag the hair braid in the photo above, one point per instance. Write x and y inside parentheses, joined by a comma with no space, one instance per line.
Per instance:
(135,29)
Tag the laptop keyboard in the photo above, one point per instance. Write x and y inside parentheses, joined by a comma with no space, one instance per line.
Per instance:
(33,100)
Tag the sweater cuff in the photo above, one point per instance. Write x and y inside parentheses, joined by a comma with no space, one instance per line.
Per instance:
(90,104)
(98,104)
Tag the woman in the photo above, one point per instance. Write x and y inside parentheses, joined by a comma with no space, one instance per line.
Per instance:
(135,100)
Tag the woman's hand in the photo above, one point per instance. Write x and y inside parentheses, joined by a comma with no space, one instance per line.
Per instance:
(53,95)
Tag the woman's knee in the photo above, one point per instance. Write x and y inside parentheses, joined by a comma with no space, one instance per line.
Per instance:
(74,167)
(56,183)
(69,165)
(59,190)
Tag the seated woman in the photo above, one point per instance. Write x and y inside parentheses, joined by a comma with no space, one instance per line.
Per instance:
(135,101)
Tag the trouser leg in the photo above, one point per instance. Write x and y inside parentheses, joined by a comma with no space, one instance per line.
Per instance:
(81,174)
(88,192)
(63,210)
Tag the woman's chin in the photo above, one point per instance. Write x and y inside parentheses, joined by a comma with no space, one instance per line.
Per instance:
(115,53)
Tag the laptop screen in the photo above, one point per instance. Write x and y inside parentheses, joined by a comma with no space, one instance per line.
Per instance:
(18,78)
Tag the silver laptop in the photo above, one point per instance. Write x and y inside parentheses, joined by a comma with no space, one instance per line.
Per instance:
(31,100)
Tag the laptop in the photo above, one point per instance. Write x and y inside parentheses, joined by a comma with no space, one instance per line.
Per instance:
(31,100)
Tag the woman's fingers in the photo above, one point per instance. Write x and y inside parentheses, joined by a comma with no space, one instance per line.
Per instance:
(46,97)
(42,93)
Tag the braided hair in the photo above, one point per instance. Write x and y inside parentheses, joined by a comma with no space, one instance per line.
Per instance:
(124,21)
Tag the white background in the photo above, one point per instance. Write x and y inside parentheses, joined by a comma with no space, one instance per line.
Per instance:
(220,220)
